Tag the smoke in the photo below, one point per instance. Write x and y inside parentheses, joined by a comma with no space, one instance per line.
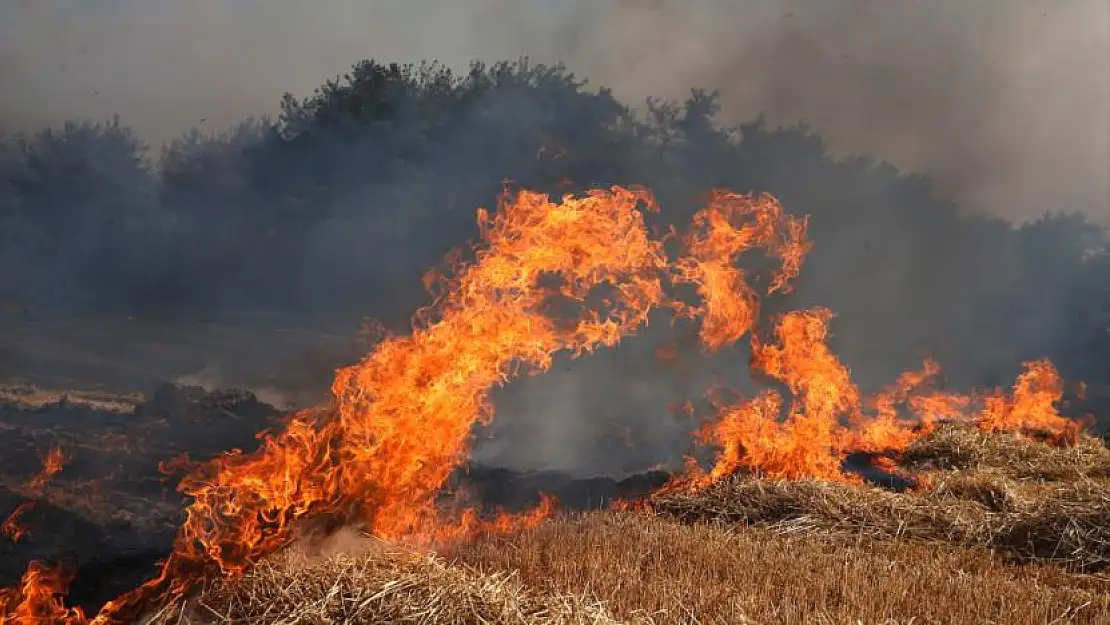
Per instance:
(1006,103)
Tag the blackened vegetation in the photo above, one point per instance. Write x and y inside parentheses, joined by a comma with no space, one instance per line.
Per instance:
(110,515)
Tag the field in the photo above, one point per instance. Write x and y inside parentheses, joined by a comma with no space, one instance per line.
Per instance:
(1008,531)
(1001,530)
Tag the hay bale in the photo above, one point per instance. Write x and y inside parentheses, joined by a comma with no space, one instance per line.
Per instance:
(811,505)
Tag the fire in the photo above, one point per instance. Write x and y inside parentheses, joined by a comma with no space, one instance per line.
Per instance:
(547,277)
(52,464)
(36,599)
(827,420)
(1031,407)
(400,420)
(810,442)
(729,226)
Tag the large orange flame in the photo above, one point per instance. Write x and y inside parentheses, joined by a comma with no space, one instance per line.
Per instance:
(810,441)
(548,277)
(730,225)
(400,419)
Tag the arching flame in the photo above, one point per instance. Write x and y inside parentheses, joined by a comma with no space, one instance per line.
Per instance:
(400,420)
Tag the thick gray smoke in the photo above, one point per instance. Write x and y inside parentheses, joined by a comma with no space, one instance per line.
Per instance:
(1005,102)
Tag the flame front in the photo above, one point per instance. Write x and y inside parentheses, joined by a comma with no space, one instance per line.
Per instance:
(827,419)
(52,464)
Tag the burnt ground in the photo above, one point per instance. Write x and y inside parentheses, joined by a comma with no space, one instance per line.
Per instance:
(110,514)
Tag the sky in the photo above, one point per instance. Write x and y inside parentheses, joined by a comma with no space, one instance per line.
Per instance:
(1005,102)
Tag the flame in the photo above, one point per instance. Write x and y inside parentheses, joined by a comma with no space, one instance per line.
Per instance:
(809,442)
(730,225)
(548,277)
(52,464)
(1031,407)
(399,420)
(827,419)
(35,600)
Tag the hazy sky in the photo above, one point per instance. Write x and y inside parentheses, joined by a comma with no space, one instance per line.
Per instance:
(1007,102)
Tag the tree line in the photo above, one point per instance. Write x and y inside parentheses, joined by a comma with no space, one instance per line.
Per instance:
(336,206)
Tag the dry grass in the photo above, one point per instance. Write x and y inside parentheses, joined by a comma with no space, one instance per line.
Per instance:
(648,566)
(378,586)
(1067,525)
(982,543)
(1028,500)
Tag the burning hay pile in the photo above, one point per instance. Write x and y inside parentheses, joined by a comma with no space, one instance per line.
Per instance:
(1026,499)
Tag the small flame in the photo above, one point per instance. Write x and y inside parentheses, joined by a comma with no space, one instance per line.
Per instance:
(14,527)
(1031,406)
(52,463)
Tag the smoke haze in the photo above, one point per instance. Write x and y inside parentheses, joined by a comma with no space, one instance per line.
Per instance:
(1005,102)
